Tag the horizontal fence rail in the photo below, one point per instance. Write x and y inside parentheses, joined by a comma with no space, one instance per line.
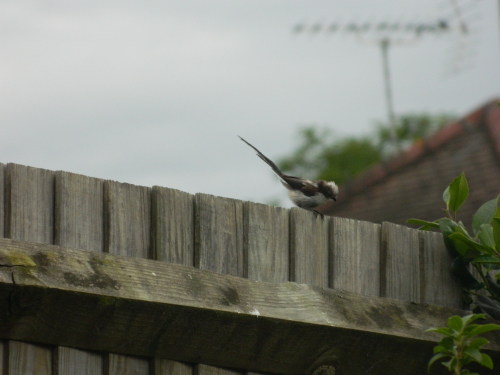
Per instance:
(223,235)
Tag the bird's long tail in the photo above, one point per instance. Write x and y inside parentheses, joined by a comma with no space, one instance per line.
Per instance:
(265,158)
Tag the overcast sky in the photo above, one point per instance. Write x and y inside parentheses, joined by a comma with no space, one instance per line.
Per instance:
(156,92)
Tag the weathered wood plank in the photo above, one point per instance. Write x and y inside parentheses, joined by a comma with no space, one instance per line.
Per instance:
(173,241)
(151,308)
(127,365)
(218,239)
(172,221)
(30,202)
(28,359)
(127,232)
(79,211)
(355,256)
(210,370)
(219,234)
(400,263)
(127,219)
(266,242)
(309,247)
(29,216)
(167,367)
(78,224)
(73,361)
(438,284)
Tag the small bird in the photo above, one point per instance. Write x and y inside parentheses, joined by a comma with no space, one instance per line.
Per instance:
(306,194)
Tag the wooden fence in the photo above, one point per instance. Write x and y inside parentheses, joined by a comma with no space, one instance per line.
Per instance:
(253,241)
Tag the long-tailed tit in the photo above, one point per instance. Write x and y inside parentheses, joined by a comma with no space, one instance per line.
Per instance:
(307,194)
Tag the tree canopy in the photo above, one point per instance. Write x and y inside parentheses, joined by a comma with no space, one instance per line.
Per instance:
(322,155)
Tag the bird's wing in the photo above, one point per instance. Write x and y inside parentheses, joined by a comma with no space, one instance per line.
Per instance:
(265,158)
(307,187)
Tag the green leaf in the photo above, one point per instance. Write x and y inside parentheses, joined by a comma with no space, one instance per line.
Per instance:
(423,224)
(435,358)
(456,193)
(478,342)
(485,235)
(455,323)
(460,239)
(486,260)
(495,224)
(486,361)
(474,353)
(484,214)
(441,330)
(479,329)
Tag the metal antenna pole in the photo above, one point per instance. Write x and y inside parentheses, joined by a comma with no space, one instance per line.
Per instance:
(384,46)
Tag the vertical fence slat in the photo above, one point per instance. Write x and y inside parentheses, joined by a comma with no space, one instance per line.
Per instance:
(173,241)
(266,242)
(29,217)
(79,224)
(355,257)
(400,263)
(127,223)
(219,234)
(165,367)
(209,370)
(309,259)
(172,222)
(218,244)
(438,285)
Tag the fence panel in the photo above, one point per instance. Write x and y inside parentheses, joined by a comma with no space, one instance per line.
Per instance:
(173,241)
(218,244)
(438,286)
(400,263)
(172,224)
(78,224)
(355,256)
(29,217)
(309,248)
(266,242)
(127,215)
(219,234)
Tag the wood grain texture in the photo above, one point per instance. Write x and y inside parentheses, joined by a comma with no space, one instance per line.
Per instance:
(127,365)
(400,263)
(27,359)
(355,256)
(167,367)
(72,361)
(30,202)
(79,211)
(438,284)
(150,308)
(29,216)
(219,234)
(128,229)
(266,242)
(309,247)
(79,224)
(210,370)
(173,241)
(172,221)
(127,219)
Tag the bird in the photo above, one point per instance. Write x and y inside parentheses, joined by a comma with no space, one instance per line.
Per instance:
(304,193)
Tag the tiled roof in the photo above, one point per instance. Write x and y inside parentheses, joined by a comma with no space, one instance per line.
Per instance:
(411,184)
